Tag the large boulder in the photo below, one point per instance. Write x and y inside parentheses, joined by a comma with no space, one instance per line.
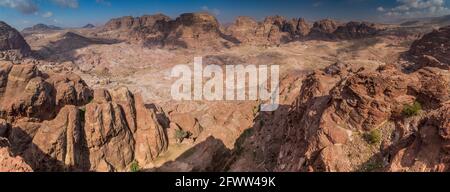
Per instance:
(26,92)
(11,39)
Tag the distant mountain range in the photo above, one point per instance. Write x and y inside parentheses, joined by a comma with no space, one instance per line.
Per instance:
(41,27)
(439,21)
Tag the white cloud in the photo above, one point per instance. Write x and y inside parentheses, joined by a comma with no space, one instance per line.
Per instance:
(103,2)
(67,3)
(47,14)
(418,8)
(381,9)
(24,6)
(213,11)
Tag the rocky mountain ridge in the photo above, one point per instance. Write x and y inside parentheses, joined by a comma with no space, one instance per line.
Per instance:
(203,29)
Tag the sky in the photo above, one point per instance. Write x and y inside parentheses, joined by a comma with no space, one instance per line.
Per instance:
(76,13)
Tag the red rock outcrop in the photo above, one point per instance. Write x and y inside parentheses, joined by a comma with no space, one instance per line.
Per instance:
(425,150)
(56,123)
(298,28)
(11,39)
(273,30)
(325,118)
(189,30)
(243,29)
(8,163)
(338,110)
(136,23)
(356,30)
(324,29)
(26,92)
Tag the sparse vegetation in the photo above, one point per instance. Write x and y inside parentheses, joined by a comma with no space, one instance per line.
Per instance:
(256,109)
(373,137)
(134,167)
(412,110)
(372,166)
(180,135)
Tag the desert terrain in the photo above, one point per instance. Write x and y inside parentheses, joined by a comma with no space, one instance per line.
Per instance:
(354,96)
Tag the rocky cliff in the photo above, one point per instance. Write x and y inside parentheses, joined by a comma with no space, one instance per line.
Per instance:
(196,30)
(347,119)
(12,40)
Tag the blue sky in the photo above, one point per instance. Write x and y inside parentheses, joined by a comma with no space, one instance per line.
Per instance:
(73,13)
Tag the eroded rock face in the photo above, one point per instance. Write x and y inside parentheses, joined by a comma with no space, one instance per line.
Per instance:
(432,49)
(120,129)
(127,23)
(299,28)
(56,123)
(10,39)
(189,30)
(209,155)
(326,118)
(273,30)
(8,163)
(356,30)
(338,111)
(324,29)
(194,30)
(26,92)
(243,29)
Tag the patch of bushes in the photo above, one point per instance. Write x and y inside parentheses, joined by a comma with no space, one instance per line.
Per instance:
(256,109)
(412,110)
(373,137)
(134,167)
(180,135)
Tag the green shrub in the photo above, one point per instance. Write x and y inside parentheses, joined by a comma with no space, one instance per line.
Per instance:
(180,135)
(372,166)
(373,137)
(412,110)
(135,167)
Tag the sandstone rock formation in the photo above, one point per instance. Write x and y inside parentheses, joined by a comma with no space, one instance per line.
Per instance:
(10,39)
(357,120)
(361,102)
(324,29)
(9,163)
(299,28)
(197,30)
(425,150)
(356,30)
(189,30)
(55,122)
(273,30)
